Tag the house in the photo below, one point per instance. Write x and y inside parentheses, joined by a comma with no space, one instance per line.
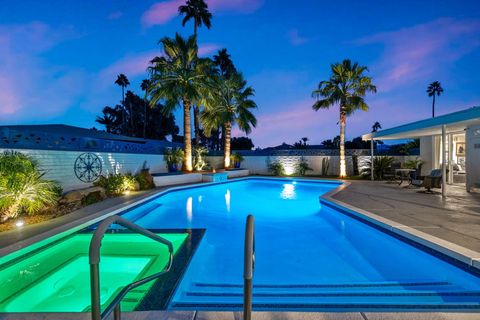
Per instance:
(450,142)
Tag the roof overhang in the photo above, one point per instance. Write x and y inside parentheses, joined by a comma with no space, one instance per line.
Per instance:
(454,122)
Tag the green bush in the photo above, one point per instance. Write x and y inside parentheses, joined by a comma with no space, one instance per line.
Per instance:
(276,168)
(301,167)
(236,158)
(92,198)
(173,156)
(380,166)
(199,155)
(23,188)
(413,164)
(145,180)
(117,184)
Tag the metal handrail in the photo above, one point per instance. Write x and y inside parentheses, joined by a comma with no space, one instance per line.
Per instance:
(94,260)
(248,267)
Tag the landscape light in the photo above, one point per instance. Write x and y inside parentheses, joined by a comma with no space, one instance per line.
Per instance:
(19,223)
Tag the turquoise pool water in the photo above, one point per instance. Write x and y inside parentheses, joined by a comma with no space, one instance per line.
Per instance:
(309,256)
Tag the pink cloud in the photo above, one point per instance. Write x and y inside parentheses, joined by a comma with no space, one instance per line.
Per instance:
(163,12)
(31,88)
(295,38)
(418,52)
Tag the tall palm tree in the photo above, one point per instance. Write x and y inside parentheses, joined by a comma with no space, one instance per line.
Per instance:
(145,85)
(229,104)
(224,63)
(435,88)
(346,87)
(198,11)
(123,82)
(180,77)
(376,126)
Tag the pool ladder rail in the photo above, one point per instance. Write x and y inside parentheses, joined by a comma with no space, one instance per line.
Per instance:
(248,267)
(94,260)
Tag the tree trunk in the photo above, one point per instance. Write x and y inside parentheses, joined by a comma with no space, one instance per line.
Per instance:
(228,132)
(145,119)
(343,167)
(433,106)
(187,137)
(196,124)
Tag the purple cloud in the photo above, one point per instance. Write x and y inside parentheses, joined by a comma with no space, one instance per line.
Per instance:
(418,52)
(30,87)
(163,12)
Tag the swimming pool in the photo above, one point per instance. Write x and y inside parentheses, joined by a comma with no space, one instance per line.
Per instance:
(309,256)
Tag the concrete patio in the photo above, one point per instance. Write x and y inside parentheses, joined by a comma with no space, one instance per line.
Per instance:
(455,219)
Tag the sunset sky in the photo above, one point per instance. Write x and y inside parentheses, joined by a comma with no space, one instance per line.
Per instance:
(59,59)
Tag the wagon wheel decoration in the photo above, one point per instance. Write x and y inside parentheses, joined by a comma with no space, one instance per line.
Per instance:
(88,167)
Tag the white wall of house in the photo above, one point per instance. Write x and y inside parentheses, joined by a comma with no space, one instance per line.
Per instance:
(59,165)
(473,157)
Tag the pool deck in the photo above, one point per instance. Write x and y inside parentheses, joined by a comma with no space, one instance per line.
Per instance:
(455,219)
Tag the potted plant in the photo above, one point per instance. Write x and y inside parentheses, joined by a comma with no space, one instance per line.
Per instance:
(236,159)
(173,158)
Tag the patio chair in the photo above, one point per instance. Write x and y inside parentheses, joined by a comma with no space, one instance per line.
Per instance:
(433,180)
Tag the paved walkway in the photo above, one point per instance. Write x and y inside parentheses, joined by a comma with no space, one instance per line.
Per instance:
(455,219)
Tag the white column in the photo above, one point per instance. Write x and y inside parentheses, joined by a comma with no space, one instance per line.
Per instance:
(371,159)
(450,158)
(444,160)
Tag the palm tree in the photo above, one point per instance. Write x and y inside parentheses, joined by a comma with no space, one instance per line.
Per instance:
(180,77)
(224,63)
(108,118)
(229,103)
(198,11)
(346,87)
(146,83)
(376,126)
(435,88)
(123,82)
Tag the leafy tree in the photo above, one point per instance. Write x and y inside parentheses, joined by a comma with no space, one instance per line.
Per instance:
(146,83)
(346,87)
(435,88)
(229,104)
(301,144)
(109,119)
(180,77)
(242,143)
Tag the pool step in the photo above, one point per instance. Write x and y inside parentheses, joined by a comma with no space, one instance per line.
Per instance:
(142,211)
(327,285)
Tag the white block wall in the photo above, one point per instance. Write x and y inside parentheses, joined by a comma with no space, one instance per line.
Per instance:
(259,164)
(59,164)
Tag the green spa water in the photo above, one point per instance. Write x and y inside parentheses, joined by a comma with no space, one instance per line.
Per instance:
(56,278)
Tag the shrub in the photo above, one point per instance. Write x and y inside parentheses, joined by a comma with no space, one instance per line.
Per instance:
(413,164)
(199,154)
(92,198)
(117,184)
(380,166)
(301,167)
(173,157)
(145,180)
(276,168)
(23,188)
(236,159)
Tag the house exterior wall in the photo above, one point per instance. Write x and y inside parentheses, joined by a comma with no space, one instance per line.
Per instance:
(473,157)
(427,154)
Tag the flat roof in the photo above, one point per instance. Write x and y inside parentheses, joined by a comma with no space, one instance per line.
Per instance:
(455,122)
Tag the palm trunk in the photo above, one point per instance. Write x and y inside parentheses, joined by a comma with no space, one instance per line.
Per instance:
(343,168)
(228,132)
(433,106)
(187,137)
(196,124)
(145,119)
